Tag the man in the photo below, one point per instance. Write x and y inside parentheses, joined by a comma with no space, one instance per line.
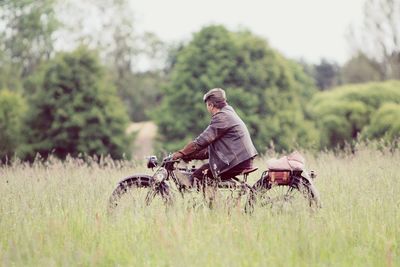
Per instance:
(226,141)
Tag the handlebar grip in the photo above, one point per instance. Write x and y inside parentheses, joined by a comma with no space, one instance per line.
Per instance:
(168,160)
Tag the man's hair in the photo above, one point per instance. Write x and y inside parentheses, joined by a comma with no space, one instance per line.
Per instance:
(216,97)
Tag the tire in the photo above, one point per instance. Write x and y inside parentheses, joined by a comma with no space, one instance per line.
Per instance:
(301,193)
(143,182)
(310,192)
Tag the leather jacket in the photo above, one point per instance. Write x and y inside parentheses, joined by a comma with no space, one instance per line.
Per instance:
(228,141)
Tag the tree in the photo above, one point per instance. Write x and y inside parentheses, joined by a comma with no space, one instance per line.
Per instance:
(344,113)
(361,69)
(12,110)
(267,90)
(120,47)
(379,38)
(7,74)
(76,110)
(141,94)
(326,74)
(27,37)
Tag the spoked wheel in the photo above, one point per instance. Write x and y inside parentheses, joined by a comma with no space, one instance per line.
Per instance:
(138,192)
(300,194)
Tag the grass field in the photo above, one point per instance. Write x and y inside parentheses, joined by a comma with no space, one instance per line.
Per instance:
(55,215)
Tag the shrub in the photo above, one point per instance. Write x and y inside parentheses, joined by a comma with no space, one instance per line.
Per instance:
(343,113)
(385,124)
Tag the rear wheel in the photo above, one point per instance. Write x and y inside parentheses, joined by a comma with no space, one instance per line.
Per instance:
(300,194)
(139,191)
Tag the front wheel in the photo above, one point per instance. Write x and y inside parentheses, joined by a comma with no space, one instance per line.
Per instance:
(300,194)
(140,191)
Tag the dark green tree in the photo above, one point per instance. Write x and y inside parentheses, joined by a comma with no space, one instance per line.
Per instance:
(12,110)
(326,74)
(75,109)
(267,90)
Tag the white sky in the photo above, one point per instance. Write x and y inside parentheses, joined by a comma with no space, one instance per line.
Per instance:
(308,29)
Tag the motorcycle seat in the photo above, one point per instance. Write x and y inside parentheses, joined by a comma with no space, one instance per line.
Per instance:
(293,162)
(248,171)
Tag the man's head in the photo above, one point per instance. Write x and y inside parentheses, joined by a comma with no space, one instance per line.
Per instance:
(215,99)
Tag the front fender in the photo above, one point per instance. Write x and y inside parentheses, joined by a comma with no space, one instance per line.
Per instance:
(142,179)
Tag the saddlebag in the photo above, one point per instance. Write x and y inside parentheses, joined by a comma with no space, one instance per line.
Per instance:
(280,170)
(279,177)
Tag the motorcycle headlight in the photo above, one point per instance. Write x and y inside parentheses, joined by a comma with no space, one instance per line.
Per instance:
(152,162)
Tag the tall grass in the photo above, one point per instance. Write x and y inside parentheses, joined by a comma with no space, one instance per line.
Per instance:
(55,214)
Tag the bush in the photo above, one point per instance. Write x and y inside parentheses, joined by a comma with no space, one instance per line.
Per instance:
(343,113)
(75,109)
(12,110)
(385,124)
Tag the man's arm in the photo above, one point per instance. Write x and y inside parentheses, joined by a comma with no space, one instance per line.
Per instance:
(190,148)
(199,155)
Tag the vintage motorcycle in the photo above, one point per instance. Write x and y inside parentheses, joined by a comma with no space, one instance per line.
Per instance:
(285,182)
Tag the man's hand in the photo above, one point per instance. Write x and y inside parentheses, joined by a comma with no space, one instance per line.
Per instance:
(177,155)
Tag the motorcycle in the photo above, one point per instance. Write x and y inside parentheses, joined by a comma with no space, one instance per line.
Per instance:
(285,182)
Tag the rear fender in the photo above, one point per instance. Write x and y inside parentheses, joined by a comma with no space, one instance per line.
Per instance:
(307,177)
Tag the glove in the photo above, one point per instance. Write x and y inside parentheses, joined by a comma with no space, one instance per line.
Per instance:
(186,151)
(177,155)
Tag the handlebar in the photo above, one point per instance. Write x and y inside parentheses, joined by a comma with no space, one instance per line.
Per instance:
(168,159)
(168,162)
(171,160)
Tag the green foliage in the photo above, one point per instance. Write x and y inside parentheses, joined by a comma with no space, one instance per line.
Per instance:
(12,110)
(343,113)
(141,93)
(267,90)
(361,69)
(122,49)
(28,35)
(7,74)
(75,110)
(385,123)
(326,74)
